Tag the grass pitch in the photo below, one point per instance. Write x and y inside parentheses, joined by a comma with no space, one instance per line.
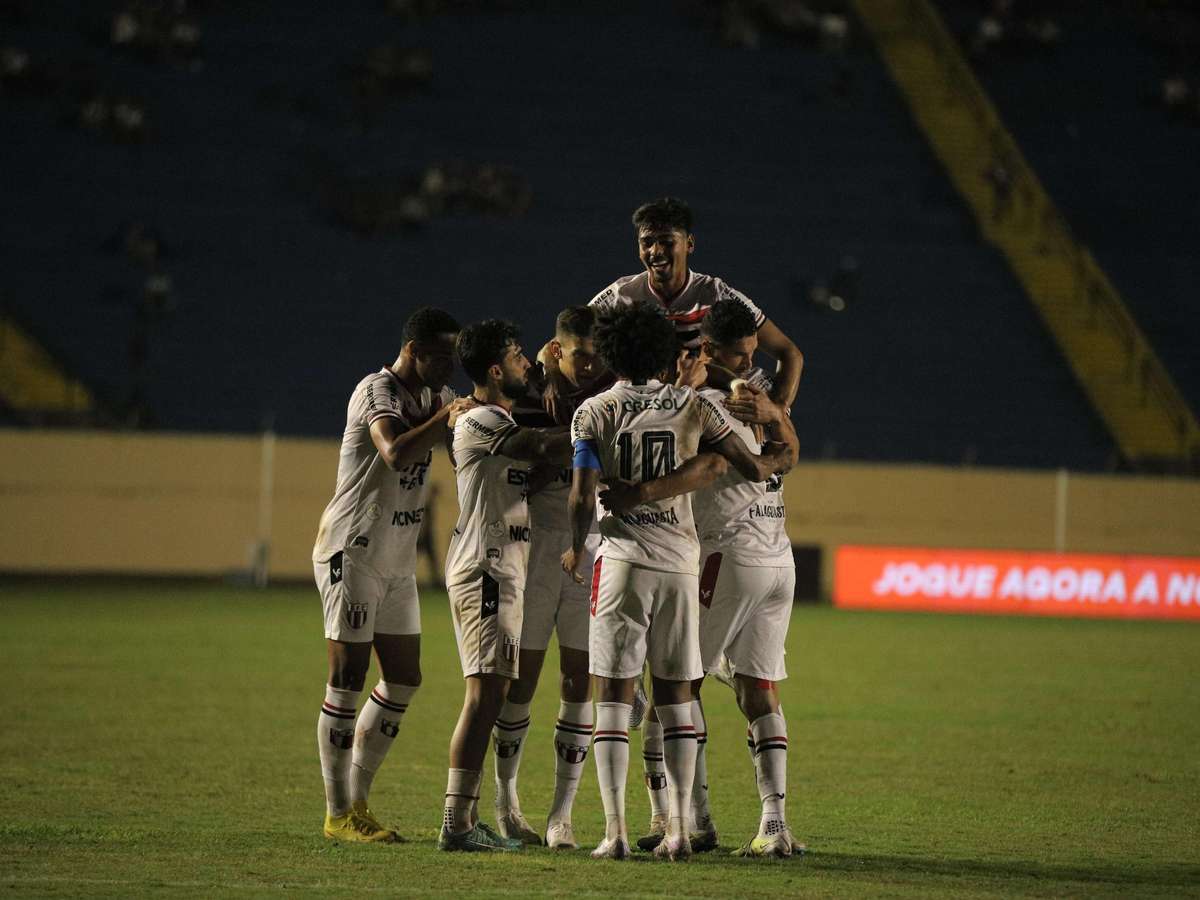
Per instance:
(161,739)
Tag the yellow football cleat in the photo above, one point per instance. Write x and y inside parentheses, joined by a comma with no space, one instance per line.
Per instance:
(354,827)
(363,812)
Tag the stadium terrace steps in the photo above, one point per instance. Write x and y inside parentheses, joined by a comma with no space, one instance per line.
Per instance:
(1105,349)
(33,385)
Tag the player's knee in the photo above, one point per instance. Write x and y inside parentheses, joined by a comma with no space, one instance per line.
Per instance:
(756,697)
(348,671)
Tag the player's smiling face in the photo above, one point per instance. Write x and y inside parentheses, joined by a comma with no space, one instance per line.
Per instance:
(736,356)
(664,253)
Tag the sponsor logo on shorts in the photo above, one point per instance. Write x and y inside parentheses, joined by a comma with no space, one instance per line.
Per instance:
(356,615)
(361,541)
(571,753)
(342,738)
(389,728)
(507,749)
(335,568)
(510,648)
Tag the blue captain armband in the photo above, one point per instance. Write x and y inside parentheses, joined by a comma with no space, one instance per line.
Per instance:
(586,456)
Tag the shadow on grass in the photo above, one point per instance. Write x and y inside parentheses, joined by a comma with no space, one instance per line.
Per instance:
(1171,874)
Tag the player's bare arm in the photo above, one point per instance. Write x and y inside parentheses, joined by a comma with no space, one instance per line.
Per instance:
(581,512)
(698,472)
(790,362)
(538,445)
(775,459)
(400,448)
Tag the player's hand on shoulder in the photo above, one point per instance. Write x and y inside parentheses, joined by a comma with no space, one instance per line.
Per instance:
(570,565)
(620,496)
(457,407)
(752,405)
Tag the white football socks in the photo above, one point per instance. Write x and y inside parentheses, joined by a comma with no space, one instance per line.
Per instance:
(374,733)
(508,740)
(656,771)
(462,793)
(701,814)
(769,734)
(572,740)
(679,755)
(611,751)
(335,740)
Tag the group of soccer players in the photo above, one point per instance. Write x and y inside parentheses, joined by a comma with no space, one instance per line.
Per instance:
(649,534)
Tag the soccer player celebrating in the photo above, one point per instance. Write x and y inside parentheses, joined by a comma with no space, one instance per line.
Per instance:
(485,565)
(644,588)
(665,241)
(747,579)
(552,601)
(364,560)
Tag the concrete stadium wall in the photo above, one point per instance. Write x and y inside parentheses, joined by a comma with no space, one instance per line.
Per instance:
(164,504)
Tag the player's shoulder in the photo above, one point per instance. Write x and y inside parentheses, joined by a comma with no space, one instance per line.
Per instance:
(712,394)
(625,289)
(378,393)
(484,421)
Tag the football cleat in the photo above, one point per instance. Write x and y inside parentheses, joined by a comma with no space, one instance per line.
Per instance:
(640,701)
(481,838)
(512,824)
(612,848)
(779,845)
(658,830)
(704,838)
(561,836)
(361,810)
(676,848)
(353,827)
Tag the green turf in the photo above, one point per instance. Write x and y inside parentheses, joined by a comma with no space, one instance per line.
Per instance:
(161,739)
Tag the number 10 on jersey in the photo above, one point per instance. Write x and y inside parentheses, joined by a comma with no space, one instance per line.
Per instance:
(657,454)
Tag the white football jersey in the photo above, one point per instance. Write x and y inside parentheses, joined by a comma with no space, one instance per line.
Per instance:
(374,510)
(743,518)
(687,309)
(641,432)
(492,534)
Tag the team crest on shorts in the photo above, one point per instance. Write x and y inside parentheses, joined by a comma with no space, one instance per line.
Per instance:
(510,648)
(356,615)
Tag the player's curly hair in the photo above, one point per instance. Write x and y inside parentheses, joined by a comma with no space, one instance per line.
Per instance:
(482,345)
(636,341)
(667,212)
(728,321)
(428,323)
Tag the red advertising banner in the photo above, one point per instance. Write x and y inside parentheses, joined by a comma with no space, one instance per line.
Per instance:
(1017,583)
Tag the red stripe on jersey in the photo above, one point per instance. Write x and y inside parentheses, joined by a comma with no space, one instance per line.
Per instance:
(708,579)
(689,318)
(596,582)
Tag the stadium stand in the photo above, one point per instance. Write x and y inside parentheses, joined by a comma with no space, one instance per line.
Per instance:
(815,194)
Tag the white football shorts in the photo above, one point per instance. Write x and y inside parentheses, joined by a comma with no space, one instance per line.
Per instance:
(359,603)
(643,615)
(744,615)
(487,624)
(552,598)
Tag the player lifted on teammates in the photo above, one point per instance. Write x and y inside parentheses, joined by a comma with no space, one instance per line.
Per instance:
(644,587)
(553,601)
(365,558)
(747,576)
(485,565)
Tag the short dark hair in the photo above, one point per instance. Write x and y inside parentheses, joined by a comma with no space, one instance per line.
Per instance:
(636,341)
(575,321)
(728,321)
(666,212)
(429,323)
(482,345)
